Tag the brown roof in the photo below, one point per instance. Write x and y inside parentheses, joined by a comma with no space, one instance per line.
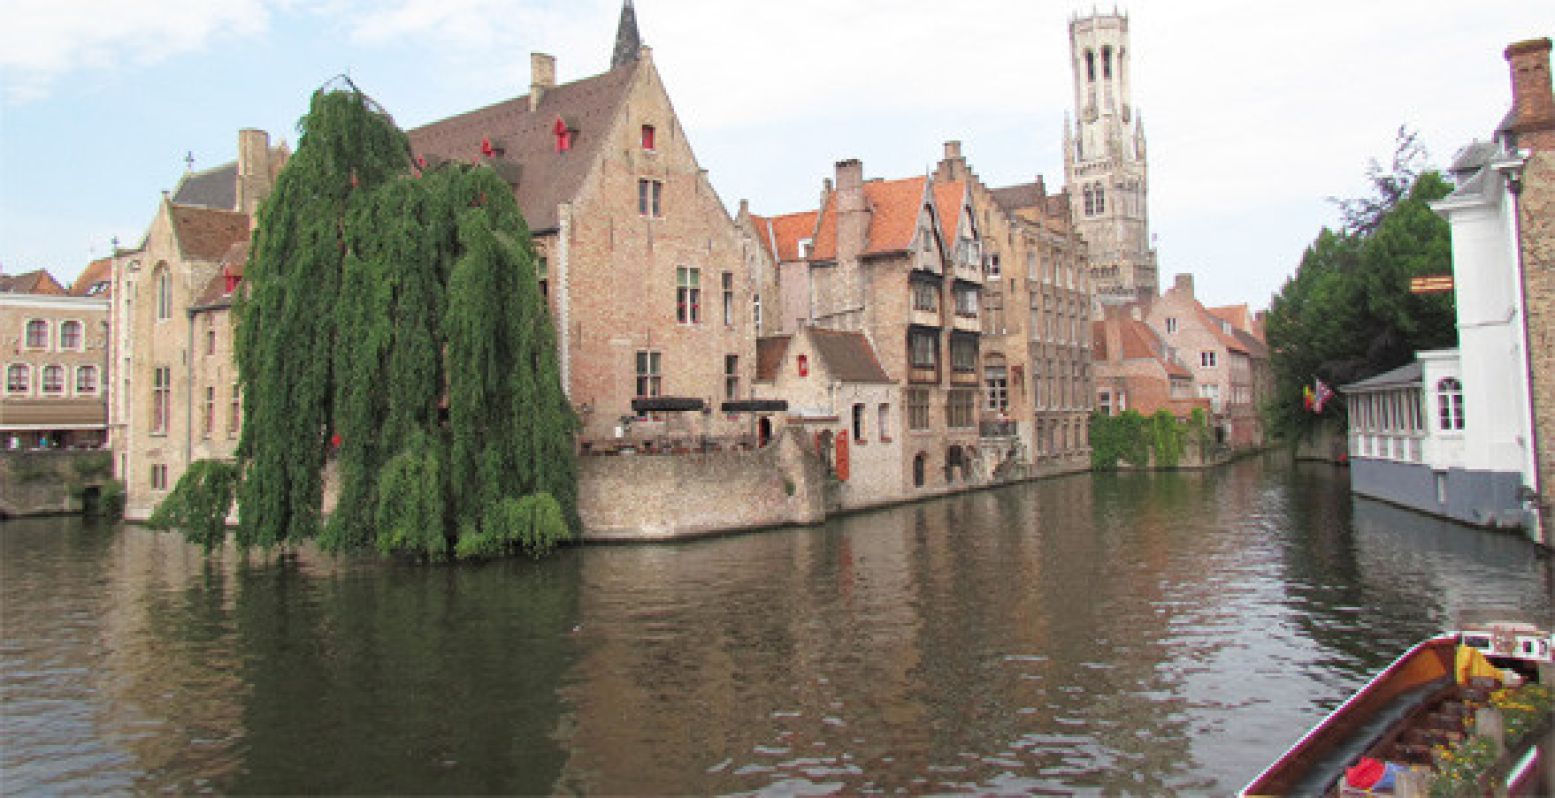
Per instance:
(769,356)
(893,218)
(207,234)
(848,356)
(216,294)
(98,271)
(524,143)
(1013,198)
(37,281)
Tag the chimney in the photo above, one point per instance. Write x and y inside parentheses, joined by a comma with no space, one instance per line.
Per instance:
(1184,284)
(952,150)
(1533,106)
(1041,187)
(852,210)
(542,76)
(254,173)
(745,209)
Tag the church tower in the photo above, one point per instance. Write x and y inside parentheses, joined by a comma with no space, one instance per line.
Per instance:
(1104,161)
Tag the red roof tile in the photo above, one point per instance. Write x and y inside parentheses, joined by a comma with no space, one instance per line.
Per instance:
(893,207)
(98,271)
(37,281)
(947,200)
(207,234)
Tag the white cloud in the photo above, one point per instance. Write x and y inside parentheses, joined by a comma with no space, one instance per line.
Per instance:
(46,41)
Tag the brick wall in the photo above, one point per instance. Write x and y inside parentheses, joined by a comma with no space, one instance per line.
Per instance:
(1537,220)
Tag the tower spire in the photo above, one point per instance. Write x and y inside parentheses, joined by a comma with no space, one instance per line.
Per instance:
(628,42)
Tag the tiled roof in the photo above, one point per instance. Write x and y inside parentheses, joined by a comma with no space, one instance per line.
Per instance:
(947,200)
(848,356)
(37,281)
(788,230)
(216,187)
(526,139)
(96,272)
(207,234)
(769,356)
(893,220)
(1402,377)
(1228,340)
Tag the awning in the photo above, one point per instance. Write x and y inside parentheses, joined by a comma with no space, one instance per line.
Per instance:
(662,404)
(754,406)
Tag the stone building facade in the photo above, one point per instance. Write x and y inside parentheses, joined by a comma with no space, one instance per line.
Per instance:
(651,285)
(177,399)
(1105,168)
(53,356)
(1036,358)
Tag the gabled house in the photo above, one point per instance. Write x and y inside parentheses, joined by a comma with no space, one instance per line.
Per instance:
(1136,370)
(650,284)
(1222,362)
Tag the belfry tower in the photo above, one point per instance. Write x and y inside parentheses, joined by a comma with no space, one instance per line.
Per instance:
(1104,162)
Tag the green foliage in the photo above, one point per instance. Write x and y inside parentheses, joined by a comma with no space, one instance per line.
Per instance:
(1130,437)
(1461,768)
(1524,710)
(1347,313)
(110,502)
(94,464)
(394,321)
(198,505)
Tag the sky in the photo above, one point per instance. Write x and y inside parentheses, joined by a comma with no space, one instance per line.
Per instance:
(1255,114)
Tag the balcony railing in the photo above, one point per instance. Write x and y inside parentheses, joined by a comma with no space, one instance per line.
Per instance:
(997,428)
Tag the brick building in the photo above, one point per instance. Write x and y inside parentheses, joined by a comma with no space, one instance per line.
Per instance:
(1223,360)
(1136,370)
(171,344)
(53,346)
(1036,356)
(650,283)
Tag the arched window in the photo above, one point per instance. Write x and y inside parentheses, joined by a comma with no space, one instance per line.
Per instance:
(1106,62)
(1449,403)
(164,286)
(70,335)
(18,378)
(53,379)
(1090,65)
(37,334)
(86,380)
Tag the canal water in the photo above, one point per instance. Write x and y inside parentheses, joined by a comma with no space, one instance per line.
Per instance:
(1125,634)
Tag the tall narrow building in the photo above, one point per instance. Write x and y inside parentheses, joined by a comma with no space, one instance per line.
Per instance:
(1104,162)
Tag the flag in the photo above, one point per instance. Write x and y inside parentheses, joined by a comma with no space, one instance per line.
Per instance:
(1307,398)
(1324,393)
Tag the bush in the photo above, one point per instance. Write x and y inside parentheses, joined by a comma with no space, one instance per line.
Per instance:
(199,503)
(96,464)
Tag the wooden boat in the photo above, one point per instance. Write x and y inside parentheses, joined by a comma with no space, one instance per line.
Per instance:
(1421,705)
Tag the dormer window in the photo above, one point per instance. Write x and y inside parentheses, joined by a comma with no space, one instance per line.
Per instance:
(648,138)
(806,246)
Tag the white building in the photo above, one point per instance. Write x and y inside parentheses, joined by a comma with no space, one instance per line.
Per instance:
(1451,434)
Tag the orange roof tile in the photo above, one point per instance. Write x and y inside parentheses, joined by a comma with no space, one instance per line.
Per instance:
(788,230)
(893,220)
(947,200)
(98,271)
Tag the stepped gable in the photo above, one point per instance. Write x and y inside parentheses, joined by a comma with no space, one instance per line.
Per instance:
(848,356)
(205,233)
(524,144)
(216,187)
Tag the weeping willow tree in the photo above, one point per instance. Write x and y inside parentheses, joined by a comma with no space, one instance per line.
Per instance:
(393,323)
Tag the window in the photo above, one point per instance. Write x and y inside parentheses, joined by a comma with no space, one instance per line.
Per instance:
(159,477)
(731,376)
(858,423)
(993,266)
(649,193)
(53,379)
(966,301)
(1090,65)
(649,378)
(210,341)
(648,137)
(728,288)
(86,380)
(756,312)
(688,295)
(234,413)
(1449,403)
(543,273)
(210,412)
(917,408)
(919,466)
(164,287)
(924,347)
(18,378)
(161,395)
(1208,359)
(1101,199)
(925,296)
(963,353)
(37,334)
(997,384)
(70,336)
(1106,62)
(883,426)
(959,409)
(1104,402)
(1171,324)
(1090,201)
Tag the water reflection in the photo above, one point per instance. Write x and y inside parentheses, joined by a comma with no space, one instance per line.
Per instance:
(1129,634)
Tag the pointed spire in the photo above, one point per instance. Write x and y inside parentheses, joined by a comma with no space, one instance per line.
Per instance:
(628,42)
